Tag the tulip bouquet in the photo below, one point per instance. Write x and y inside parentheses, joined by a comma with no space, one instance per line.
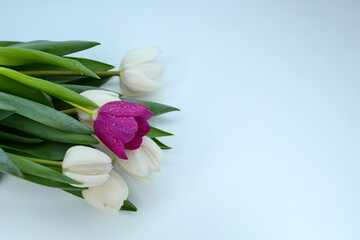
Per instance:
(60,129)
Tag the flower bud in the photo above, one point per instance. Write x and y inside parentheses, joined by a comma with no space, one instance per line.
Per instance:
(110,196)
(87,165)
(138,71)
(143,161)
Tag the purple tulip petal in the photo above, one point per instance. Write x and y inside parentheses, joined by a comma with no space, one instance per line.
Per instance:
(127,109)
(133,144)
(112,141)
(124,127)
(143,129)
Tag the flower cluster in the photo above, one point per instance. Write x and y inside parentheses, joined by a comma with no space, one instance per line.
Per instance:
(78,154)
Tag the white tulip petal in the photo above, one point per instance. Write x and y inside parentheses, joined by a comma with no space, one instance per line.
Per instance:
(135,83)
(153,149)
(86,165)
(89,93)
(81,155)
(137,163)
(140,55)
(150,69)
(110,196)
(100,97)
(88,180)
(111,210)
(91,198)
(142,161)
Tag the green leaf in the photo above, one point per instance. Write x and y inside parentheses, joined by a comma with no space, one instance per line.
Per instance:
(10,86)
(91,81)
(7,165)
(43,114)
(76,193)
(57,48)
(48,87)
(36,169)
(155,132)
(6,111)
(39,130)
(7,43)
(160,144)
(82,88)
(128,206)
(6,107)
(16,138)
(21,56)
(45,150)
(49,183)
(90,64)
(155,108)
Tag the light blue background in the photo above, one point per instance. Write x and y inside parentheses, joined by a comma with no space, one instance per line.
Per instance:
(266,144)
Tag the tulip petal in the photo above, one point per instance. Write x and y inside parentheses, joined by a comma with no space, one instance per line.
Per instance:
(126,109)
(88,180)
(143,129)
(135,83)
(134,144)
(150,69)
(81,155)
(140,55)
(123,127)
(142,161)
(100,97)
(112,141)
(110,196)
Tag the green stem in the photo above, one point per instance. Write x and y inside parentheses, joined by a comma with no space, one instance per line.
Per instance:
(69,73)
(70,111)
(40,161)
(84,109)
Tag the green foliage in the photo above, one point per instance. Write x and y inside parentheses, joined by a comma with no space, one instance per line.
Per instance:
(7,165)
(155,108)
(43,114)
(33,128)
(38,170)
(56,48)
(155,132)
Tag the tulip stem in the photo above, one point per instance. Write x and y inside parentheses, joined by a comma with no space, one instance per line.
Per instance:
(40,161)
(68,73)
(84,109)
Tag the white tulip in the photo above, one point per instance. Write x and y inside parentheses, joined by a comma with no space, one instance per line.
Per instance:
(100,97)
(110,196)
(86,165)
(138,71)
(142,162)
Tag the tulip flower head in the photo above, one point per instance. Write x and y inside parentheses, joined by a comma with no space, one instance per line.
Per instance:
(143,161)
(87,165)
(110,196)
(121,125)
(138,71)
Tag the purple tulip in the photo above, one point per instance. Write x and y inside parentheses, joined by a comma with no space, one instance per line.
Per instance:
(121,125)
